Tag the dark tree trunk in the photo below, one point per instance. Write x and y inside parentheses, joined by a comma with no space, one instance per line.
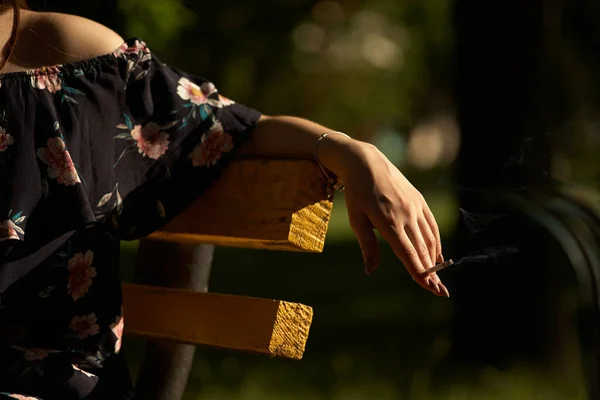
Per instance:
(166,365)
(498,84)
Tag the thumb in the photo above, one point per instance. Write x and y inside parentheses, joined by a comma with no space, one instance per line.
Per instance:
(363,229)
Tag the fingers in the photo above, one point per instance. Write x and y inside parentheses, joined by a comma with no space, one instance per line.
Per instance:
(436,233)
(363,229)
(422,249)
(433,232)
(444,290)
(423,241)
(410,247)
(404,250)
(429,241)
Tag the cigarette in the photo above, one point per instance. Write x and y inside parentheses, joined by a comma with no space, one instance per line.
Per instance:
(439,267)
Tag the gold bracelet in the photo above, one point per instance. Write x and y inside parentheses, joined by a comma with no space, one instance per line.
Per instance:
(333,182)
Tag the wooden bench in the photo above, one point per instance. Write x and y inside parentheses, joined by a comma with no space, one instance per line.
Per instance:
(261,204)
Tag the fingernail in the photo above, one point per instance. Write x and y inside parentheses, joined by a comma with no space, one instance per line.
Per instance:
(446,291)
(432,285)
(440,259)
(369,266)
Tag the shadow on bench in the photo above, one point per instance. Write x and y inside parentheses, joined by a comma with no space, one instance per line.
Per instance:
(274,204)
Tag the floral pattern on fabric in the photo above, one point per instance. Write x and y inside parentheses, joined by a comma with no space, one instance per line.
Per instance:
(10,228)
(5,140)
(20,397)
(214,143)
(107,163)
(59,162)
(138,56)
(82,272)
(50,79)
(225,101)
(32,354)
(47,78)
(150,140)
(85,325)
(195,94)
(117,329)
(110,203)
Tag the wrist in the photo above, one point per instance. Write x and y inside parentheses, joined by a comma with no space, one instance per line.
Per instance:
(339,154)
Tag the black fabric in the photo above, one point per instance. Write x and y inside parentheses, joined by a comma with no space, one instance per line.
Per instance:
(92,153)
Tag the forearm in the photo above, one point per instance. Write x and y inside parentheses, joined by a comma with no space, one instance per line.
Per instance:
(377,195)
(295,138)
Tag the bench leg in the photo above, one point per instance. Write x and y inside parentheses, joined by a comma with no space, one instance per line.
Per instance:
(166,365)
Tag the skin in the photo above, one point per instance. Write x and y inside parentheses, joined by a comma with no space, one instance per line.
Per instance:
(378,195)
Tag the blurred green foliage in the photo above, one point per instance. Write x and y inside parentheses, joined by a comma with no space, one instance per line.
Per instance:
(381,71)
(257,54)
(373,337)
(160,22)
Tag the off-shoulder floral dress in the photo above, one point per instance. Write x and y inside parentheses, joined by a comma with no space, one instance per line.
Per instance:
(92,153)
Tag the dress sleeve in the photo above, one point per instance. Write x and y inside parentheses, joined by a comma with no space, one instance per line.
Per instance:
(176,134)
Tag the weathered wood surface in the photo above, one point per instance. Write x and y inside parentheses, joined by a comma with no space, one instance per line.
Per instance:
(271,327)
(268,204)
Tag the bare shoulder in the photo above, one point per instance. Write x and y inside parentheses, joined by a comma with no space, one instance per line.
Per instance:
(54,38)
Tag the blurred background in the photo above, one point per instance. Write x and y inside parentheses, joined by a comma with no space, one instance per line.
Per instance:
(491,109)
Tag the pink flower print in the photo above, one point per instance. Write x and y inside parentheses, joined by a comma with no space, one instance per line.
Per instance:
(47,78)
(82,272)
(5,140)
(117,329)
(137,47)
(122,49)
(141,46)
(225,101)
(33,354)
(208,88)
(58,159)
(84,325)
(8,230)
(188,90)
(150,140)
(213,145)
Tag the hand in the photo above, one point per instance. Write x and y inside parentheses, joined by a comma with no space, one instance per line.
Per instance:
(379,197)
(377,194)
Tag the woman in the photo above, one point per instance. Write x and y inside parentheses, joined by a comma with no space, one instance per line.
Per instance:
(100,141)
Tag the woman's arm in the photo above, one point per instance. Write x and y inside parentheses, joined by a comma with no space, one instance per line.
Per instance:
(377,195)
(286,137)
